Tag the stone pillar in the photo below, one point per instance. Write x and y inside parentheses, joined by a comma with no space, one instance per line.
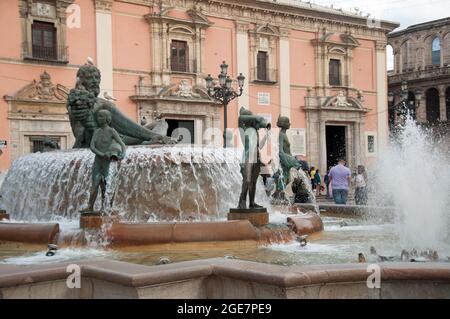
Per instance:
(442,105)
(322,147)
(285,74)
(103,27)
(382,101)
(243,60)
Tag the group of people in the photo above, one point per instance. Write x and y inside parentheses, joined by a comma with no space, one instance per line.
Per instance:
(336,182)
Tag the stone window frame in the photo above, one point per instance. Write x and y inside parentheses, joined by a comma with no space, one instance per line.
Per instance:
(433,38)
(337,53)
(326,50)
(185,34)
(428,46)
(28,15)
(272,35)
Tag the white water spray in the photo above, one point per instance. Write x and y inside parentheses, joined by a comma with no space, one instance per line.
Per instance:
(414,173)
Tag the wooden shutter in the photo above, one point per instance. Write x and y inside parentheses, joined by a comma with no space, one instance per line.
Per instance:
(44,40)
(179,56)
(335,72)
(262,66)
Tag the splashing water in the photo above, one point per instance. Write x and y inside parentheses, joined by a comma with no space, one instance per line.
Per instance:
(152,183)
(414,173)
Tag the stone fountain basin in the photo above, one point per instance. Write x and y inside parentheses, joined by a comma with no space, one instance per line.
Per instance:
(223,278)
(136,234)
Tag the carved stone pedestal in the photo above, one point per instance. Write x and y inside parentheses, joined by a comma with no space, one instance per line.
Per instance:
(258,217)
(3,215)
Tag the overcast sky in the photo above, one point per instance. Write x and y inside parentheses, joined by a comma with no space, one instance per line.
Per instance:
(406,12)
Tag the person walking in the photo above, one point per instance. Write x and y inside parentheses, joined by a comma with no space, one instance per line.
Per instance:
(340,177)
(318,182)
(361,186)
(312,174)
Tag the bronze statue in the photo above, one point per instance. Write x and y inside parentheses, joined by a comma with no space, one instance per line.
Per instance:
(249,125)
(287,161)
(107,146)
(83,102)
(50,145)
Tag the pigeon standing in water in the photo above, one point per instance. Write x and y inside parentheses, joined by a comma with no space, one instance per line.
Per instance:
(379,257)
(361,258)
(109,97)
(404,256)
(51,250)
(302,240)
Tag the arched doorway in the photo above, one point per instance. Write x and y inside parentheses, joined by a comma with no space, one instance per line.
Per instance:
(433,109)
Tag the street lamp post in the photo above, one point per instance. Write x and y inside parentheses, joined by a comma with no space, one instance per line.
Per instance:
(224,92)
(404,108)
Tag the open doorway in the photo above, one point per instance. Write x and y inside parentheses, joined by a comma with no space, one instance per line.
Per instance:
(336,145)
(181,127)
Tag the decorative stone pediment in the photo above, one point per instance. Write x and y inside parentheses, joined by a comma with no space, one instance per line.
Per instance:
(345,102)
(198,17)
(267,29)
(43,91)
(349,39)
(345,40)
(182,91)
(195,17)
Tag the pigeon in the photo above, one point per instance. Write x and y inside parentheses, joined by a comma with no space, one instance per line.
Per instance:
(361,258)
(302,240)
(144,121)
(343,224)
(109,97)
(164,261)
(405,255)
(51,250)
(379,257)
(90,60)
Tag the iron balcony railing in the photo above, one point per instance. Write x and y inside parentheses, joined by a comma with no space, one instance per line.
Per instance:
(267,75)
(187,66)
(428,72)
(57,53)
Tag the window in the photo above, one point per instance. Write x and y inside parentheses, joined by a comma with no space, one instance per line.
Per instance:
(44,41)
(436,51)
(262,66)
(335,72)
(179,56)
(371,144)
(37,143)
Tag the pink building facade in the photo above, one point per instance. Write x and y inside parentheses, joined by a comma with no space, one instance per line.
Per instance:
(323,68)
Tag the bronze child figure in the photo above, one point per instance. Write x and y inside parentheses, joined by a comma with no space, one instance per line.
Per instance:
(107,146)
(249,125)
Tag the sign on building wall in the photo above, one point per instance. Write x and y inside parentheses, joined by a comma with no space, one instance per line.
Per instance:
(297,136)
(263,98)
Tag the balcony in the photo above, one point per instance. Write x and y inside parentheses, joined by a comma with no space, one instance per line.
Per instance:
(190,66)
(57,54)
(270,76)
(430,72)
